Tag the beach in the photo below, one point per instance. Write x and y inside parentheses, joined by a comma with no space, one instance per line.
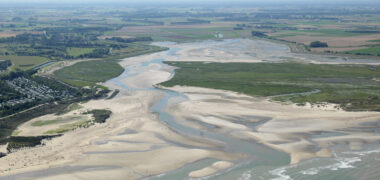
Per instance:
(154,131)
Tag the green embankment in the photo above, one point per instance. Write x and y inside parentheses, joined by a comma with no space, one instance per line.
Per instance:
(374,51)
(354,87)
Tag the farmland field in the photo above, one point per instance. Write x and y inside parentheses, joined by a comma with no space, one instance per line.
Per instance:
(25,62)
(72,51)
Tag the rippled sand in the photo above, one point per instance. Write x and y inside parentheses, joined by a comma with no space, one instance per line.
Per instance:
(133,143)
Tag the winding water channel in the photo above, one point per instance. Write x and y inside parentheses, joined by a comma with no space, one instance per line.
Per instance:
(259,156)
(260,162)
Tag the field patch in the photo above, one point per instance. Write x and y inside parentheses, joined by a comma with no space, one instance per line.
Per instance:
(75,52)
(24,62)
(340,38)
(6,34)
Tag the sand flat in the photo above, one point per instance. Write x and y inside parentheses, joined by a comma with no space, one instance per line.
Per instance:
(133,143)
(291,129)
(132,139)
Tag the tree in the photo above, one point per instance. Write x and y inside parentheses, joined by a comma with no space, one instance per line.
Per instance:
(258,34)
(318,44)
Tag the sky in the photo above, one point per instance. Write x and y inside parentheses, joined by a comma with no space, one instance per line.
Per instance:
(186,2)
(180,1)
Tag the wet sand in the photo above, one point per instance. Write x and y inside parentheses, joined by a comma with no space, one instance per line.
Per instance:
(250,51)
(134,143)
(289,128)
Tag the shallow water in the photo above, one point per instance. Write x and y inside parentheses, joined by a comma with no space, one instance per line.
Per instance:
(263,162)
(258,155)
(269,51)
(344,165)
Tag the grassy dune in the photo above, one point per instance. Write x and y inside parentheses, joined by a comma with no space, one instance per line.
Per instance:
(70,127)
(100,116)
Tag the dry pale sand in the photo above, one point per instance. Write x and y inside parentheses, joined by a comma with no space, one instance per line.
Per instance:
(3,148)
(303,132)
(133,143)
(145,78)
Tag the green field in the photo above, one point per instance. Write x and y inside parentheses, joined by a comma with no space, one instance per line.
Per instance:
(374,51)
(24,62)
(351,86)
(335,33)
(73,51)
(88,73)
